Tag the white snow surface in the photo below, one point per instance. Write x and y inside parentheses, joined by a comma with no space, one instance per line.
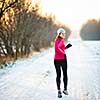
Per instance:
(35,78)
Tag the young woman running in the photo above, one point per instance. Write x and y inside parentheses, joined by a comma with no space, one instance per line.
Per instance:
(60,61)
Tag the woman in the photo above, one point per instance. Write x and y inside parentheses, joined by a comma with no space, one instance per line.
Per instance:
(60,61)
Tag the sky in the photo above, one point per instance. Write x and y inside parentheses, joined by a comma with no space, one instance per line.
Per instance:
(72,12)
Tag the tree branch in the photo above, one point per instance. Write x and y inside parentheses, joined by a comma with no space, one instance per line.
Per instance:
(1,9)
(9,5)
(3,5)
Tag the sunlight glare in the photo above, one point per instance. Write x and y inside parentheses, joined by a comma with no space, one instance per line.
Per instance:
(72,12)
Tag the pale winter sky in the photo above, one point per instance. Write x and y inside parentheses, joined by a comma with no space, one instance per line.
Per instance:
(72,12)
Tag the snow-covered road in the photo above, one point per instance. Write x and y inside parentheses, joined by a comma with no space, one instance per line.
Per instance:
(34,78)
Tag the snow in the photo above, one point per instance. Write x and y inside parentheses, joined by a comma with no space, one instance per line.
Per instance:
(34,78)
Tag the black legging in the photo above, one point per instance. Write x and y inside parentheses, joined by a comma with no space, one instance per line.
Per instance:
(58,65)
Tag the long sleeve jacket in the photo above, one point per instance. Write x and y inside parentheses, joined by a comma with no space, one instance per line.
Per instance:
(60,47)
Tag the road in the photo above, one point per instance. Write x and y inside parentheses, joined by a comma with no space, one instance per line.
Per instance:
(34,78)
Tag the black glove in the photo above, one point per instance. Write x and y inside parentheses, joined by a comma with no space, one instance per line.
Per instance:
(69,45)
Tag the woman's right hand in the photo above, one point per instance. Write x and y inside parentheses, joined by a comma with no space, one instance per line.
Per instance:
(69,45)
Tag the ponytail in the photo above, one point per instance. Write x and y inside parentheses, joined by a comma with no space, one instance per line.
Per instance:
(58,36)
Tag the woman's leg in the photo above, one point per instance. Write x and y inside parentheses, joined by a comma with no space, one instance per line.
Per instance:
(65,77)
(58,73)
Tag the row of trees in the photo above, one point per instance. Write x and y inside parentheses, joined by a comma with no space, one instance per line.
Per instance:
(23,29)
(91,30)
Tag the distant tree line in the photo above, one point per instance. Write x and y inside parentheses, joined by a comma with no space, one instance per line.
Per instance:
(91,30)
(23,29)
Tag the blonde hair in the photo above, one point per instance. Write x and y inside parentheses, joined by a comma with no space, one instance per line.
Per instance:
(58,36)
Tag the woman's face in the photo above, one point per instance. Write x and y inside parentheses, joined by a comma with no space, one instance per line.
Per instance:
(62,35)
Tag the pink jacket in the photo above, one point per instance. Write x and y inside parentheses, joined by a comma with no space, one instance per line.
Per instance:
(59,49)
